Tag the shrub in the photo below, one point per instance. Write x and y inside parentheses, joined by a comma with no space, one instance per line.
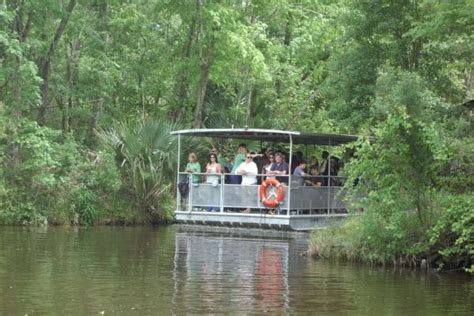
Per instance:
(49,178)
(452,237)
(407,216)
(145,153)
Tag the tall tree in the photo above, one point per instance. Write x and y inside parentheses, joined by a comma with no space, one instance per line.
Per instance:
(46,62)
(205,36)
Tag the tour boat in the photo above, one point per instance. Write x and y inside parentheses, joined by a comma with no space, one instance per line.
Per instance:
(290,206)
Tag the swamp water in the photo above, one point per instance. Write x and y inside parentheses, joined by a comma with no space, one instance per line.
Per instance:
(193,270)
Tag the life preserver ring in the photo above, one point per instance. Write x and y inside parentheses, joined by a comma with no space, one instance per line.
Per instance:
(271,201)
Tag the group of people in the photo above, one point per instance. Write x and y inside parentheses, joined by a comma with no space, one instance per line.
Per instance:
(250,168)
(319,175)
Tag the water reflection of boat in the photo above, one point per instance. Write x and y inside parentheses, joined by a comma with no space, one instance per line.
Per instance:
(268,285)
(252,276)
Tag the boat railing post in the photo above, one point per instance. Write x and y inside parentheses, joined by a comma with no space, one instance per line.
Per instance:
(222,193)
(190,198)
(289,176)
(329,179)
(178,200)
(258,196)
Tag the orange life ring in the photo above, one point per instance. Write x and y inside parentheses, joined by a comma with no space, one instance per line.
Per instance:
(273,201)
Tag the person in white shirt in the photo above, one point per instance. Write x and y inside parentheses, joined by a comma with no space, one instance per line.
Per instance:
(248,169)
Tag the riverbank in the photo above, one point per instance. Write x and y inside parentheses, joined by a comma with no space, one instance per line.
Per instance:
(444,242)
(106,217)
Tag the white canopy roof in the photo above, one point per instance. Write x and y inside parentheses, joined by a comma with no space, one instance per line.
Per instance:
(270,135)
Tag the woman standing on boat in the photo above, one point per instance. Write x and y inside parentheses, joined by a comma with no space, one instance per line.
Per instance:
(268,165)
(194,167)
(213,168)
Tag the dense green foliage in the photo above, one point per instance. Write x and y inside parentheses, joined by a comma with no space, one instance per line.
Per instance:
(400,77)
(146,152)
(89,91)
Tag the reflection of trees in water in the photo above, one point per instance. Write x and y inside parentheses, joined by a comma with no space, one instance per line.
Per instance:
(82,271)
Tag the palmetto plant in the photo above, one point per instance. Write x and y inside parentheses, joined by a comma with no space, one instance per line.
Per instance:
(146,154)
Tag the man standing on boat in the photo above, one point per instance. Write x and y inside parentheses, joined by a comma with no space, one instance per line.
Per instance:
(300,173)
(248,169)
(280,169)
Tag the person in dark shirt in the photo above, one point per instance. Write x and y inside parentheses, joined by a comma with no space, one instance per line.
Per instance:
(314,162)
(300,173)
(323,168)
(313,180)
(280,169)
(330,171)
(296,160)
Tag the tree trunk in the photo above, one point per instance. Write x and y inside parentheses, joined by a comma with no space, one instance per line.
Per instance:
(22,32)
(201,92)
(204,58)
(18,27)
(64,117)
(469,83)
(249,104)
(17,89)
(286,41)
(16,158)
(72,58)
(45,68)
(96,108)
(182,85)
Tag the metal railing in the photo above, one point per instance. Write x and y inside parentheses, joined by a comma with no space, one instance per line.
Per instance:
(225,197)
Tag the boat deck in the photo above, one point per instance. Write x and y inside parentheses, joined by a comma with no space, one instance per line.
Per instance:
(303,208)
(280,222)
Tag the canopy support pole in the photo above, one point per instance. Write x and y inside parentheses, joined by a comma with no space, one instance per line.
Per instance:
(329,178)
(178,200)
(289,175)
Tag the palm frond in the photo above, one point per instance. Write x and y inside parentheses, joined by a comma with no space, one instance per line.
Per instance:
(147,152)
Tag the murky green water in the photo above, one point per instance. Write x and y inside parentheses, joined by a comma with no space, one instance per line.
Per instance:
(176,271)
